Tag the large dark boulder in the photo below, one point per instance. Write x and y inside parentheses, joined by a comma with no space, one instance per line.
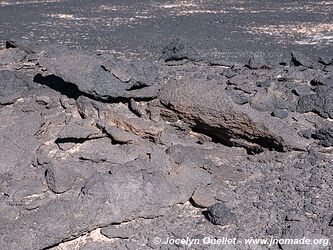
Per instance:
(220,214)
(179,49)
(320,103)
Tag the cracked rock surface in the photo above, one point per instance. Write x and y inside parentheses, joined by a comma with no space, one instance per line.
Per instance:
(99,153)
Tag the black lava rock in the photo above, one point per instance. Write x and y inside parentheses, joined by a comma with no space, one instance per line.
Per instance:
(228,73)
(220,214)
(320,103)
(264,84)
(12,86)
(59,178)
(299,59)
(326,60)
(280,113)
(179,50)
(325,135)
(307,133)
(257,62)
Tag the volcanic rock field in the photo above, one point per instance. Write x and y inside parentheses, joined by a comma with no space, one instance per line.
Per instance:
(166,124)
(102,153)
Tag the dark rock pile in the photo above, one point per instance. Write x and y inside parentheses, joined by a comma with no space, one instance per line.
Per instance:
(182,147)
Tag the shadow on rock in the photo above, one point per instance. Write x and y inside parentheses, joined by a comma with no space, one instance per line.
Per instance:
(54,82)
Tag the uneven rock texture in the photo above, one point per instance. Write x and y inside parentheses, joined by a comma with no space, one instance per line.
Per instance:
(321,102)
(210,111)
(101,78)
(98,153)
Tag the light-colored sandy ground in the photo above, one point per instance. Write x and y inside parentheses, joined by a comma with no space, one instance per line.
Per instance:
(301,33)
(79,242)
(3,3)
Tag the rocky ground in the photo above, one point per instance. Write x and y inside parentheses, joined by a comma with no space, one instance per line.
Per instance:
(101,153)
